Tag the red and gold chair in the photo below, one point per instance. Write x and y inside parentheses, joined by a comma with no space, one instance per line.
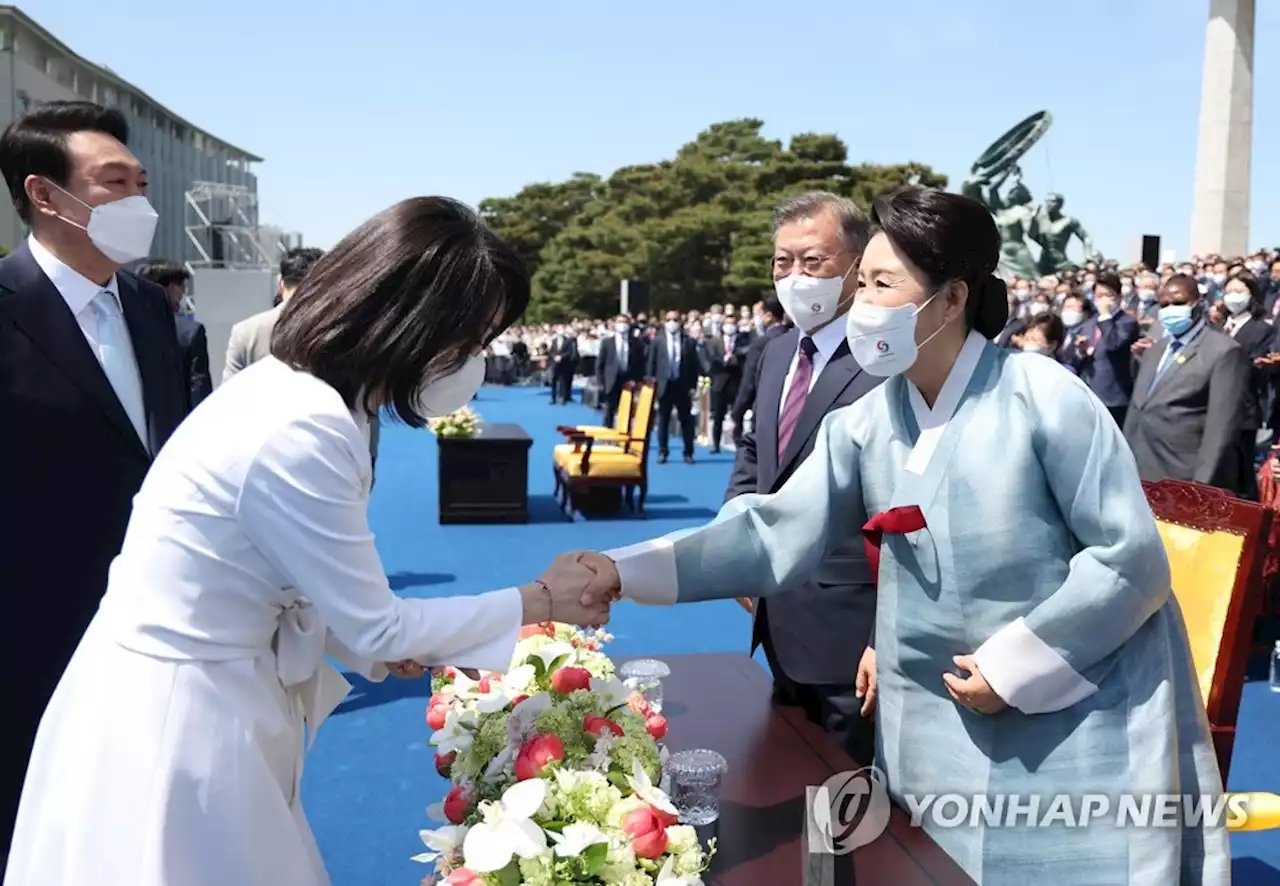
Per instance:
(605,459)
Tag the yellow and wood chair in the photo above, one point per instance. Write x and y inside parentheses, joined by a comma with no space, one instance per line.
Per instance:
(1217,546)
(621,421)
(604,460)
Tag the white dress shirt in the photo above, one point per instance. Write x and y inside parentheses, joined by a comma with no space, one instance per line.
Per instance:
(827,341)
(1236,322)
(79,292)
(622,344)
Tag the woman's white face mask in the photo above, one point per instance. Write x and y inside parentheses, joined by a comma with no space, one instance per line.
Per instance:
(454,391)
(883,340)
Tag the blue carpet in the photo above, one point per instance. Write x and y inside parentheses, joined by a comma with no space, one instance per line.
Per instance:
(370,777)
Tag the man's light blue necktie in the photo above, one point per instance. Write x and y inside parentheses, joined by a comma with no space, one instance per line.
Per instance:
(1170,358)
(115,353)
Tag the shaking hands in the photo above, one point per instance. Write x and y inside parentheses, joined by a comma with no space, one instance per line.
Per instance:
(577,588)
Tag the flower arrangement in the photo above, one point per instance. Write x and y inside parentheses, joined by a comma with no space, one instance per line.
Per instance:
(463,423)
(555,768)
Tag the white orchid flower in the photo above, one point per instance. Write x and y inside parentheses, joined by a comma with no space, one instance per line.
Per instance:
(507,829)
(522,717)
(667,876)
(457,732)
(576,839)
(497,769)
(599,756)
(446,841)
(643,788)
(463,687)
(518,679)
(551,651)
(611,692)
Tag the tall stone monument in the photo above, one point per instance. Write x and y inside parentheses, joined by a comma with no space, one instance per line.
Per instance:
(1220,210)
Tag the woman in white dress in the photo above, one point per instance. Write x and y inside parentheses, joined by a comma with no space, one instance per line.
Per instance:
(171,752)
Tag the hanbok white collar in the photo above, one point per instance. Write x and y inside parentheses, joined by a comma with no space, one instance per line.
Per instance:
(933,422)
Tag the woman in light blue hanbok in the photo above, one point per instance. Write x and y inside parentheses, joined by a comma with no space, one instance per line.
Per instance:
(1028,644)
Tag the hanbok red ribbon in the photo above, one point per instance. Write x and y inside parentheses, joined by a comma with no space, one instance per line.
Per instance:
(898,521)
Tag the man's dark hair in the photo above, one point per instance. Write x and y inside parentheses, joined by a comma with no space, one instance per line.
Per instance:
(1051,327)
(36,144)
(297,262)
(774,309)
(164,273)
(406,298)
(1109,279)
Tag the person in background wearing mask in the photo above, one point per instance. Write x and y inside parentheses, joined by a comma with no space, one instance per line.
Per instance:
(173,278)
(675,366)
(814,635)
(726,351)
(90,390)
(1186,418)
(622,359)
(1147,308)
(564,363)
(1271,291)
(773,324)
(1019,312)
(1045,335)
(1099,347)
(1242,301)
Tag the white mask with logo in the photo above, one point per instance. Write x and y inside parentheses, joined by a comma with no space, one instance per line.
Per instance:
(122,230)
(883,340)
(810,301)
(451,392)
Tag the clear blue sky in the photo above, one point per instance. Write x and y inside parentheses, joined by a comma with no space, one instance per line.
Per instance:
(357,105)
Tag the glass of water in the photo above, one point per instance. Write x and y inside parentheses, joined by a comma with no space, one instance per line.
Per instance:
(695,778)
(645,676)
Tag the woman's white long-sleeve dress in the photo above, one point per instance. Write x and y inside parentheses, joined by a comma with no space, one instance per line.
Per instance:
(171,752)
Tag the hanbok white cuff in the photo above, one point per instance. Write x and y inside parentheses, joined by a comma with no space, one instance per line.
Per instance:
(647,571)
(1029,674)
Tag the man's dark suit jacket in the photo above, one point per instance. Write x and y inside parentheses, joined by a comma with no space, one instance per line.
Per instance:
(193,345)
(659,368)
(751,369)
(820,629)
(1109,370)
(1188,426)
(611,375)
(70,465)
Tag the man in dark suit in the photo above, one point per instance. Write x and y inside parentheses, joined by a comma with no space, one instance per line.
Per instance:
(1189,397)
(622,359)
(726,352)
(193,342)
(675,366)
(1100,344)
(774,323)
(91,386)
(564,363)
(815,635)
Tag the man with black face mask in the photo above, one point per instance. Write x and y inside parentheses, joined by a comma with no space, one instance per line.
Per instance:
(91,386)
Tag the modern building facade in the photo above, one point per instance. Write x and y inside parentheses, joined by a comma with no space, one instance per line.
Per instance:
(36,67)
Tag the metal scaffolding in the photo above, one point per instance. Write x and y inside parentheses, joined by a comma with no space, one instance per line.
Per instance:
(222,227)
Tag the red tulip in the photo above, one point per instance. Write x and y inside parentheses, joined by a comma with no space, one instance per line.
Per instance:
(636,701)
(519,698)
(457,803)
(462,877)
(648,833)
(436,715)
(596,725)
(657,726)
(667,819)
(486,683)
(537,754)
(566,680)
(444,762)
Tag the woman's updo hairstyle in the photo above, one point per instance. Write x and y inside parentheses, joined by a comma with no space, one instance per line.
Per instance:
(950,238)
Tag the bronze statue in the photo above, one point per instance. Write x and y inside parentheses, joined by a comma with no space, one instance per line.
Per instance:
(1014,213)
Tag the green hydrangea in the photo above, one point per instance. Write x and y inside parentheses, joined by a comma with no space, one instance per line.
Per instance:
(630,748)
(537,871)
(490,738)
